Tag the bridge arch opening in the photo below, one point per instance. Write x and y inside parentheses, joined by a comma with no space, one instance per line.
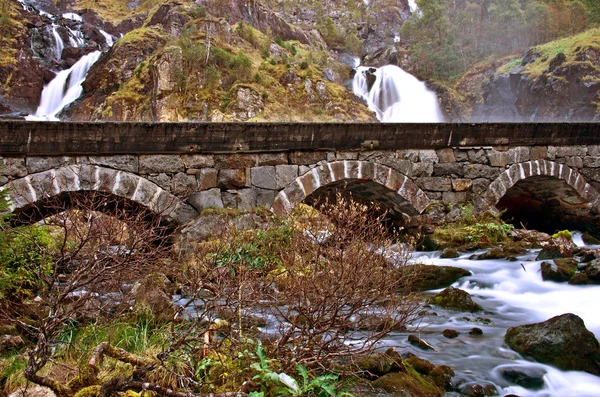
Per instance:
(48,192)
(364,181)
(544,195)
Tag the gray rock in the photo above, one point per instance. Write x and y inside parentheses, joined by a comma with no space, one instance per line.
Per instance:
(183,184)
(198,161)
(247,104)
(206,199)
(264,177)
(562,341)
(231,179)
(157,163)
(37,164)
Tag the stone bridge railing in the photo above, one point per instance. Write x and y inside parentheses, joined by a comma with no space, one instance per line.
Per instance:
(180,169)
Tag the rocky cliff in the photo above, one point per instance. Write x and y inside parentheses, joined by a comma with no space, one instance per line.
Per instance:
(558,81)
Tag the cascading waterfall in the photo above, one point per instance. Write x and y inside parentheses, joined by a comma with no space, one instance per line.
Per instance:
(412,4)
(397,96)
(64,88)
(59,45)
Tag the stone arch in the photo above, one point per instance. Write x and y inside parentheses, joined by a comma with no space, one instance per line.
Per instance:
(32,188)
(556,189)
(385,183)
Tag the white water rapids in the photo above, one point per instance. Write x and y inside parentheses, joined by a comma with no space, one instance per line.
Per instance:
(511,293)
(397,96)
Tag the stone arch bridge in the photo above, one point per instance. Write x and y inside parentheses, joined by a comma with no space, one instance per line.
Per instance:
(179,169)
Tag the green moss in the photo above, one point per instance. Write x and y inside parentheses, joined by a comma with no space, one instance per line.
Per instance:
(563,234)
(90,391)
(568,46)
(411,383)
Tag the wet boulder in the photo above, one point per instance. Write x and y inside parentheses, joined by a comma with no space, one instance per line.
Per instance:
(422,379)
(589,239)
(592,270)
(562,341)
(477,389)
(528,377)
(449,253)
(376,365)
(428,277)
(456,299)
(561,246)
(560,270)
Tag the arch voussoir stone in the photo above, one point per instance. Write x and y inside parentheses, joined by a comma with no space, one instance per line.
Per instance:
(413,199)
(26,191)
(520,171)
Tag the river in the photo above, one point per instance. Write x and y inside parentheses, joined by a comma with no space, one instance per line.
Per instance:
(511,293)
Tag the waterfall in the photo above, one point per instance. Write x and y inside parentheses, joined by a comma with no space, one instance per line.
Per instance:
(72,16)
(412,4)
(397,96)
(59,45)
(64,88)
(109,39)
(76,38)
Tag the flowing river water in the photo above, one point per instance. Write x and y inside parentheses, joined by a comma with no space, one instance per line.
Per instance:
(511,293)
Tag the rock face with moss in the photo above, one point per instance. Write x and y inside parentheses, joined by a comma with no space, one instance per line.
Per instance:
(557,81)
(456,299)
(562,341)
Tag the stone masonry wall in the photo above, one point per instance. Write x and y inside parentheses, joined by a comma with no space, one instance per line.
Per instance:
(245,180)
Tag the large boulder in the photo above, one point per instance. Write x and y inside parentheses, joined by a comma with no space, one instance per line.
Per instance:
(428,277)
(456,299)
(558,269)
(562,341)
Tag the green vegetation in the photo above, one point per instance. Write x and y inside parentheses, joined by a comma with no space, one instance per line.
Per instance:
(479,231)
(445,43)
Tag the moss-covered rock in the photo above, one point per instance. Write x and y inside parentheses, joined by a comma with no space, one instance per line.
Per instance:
(428,277)
(560,269)
(455,299)
(589,239)
(562,341)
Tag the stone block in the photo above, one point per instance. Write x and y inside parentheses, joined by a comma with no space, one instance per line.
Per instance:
(302,169)
(246,199)
(160,163)
(126,184)
(265,198)
(285,174)
(538,152)
(235,160)
(445,169)
(593,150)
(401,165)
(497,159)
(272,158)
(454,197)
(552,152)
(422,169)
(518,154)
(569,151)
(37,164)
(230,199)
(126,162)
(206,199)
(264,177)
(231,178)
(446,155)
(574,162)
(183,184)
(207,178)
(407,154)
(477,156)
(436,184)
(13,167)
(480,185)
(461,155)
(461,185)
(198,161)
(472,171)
(306,158)
(428,156)
(162,180)
(591,162)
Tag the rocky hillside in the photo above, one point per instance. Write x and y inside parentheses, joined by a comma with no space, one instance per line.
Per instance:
(557,81)
(269,60)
